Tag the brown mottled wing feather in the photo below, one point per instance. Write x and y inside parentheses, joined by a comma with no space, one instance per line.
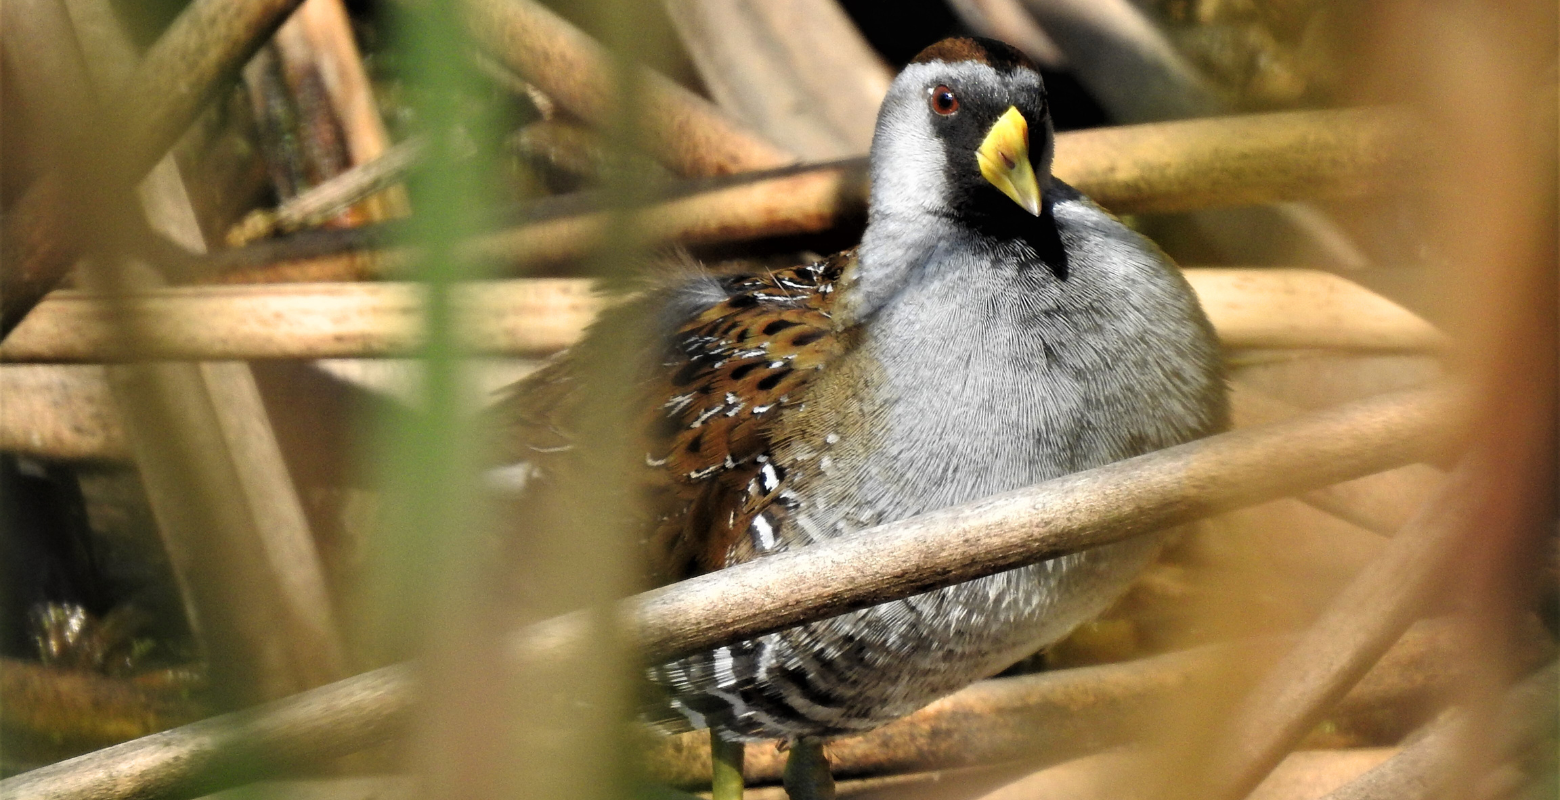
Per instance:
(735,368)
(730,366)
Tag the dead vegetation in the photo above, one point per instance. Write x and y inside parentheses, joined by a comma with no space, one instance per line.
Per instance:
(258,275)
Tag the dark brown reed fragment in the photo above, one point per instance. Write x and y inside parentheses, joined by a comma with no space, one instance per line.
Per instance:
(311,92)
(319,128)
(277,123)
(327,28)
(197,56)
(50,712)
(1107,504)
(326,200)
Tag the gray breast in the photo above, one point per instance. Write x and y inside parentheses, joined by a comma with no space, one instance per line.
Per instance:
(986,373)
(989,373)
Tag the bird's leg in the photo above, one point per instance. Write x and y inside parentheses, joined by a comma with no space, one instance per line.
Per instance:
(726,757)
(807,771)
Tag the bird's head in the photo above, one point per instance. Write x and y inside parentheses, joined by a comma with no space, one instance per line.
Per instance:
(962,153)
(965,132)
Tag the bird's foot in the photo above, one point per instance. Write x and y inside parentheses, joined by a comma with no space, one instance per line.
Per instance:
(807,771)
(726,759)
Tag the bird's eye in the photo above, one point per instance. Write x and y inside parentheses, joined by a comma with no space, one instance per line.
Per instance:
(944,101)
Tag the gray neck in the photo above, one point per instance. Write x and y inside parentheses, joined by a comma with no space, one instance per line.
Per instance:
(908,222)
(895,248)
(904,217)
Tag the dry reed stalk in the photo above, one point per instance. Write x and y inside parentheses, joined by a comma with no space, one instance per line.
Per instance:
(1359,626)
(1382,503)
(685,132)
(1158,167)
(579,152)
(1050,717)
(1290,308)
(1235,161)
(798,71)
(265,621)
(61,413)
(1117,52)
(540,316)
(1419,769)
(1157,490)
(1300,777)
(52,709)
(194,59)
(1149,492)
(325,201)
(50,81)
(1412,772)
(1479,543)
(1132,68)
(65,412)
(1323,378)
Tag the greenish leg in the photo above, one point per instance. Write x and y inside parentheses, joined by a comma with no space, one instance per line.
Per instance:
(727,759)
(807,771)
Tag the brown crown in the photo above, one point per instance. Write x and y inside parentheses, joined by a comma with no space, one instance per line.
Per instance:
(997,55)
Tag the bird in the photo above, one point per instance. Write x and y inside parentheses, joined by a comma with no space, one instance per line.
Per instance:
(993,329)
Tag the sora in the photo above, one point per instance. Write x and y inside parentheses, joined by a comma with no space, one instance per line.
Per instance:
(994,329)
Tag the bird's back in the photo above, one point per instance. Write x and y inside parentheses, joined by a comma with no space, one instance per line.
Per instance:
(716,361)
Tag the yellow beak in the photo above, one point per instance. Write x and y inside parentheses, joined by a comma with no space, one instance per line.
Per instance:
(1004,160)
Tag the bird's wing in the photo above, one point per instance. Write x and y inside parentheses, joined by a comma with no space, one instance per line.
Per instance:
(708,394)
